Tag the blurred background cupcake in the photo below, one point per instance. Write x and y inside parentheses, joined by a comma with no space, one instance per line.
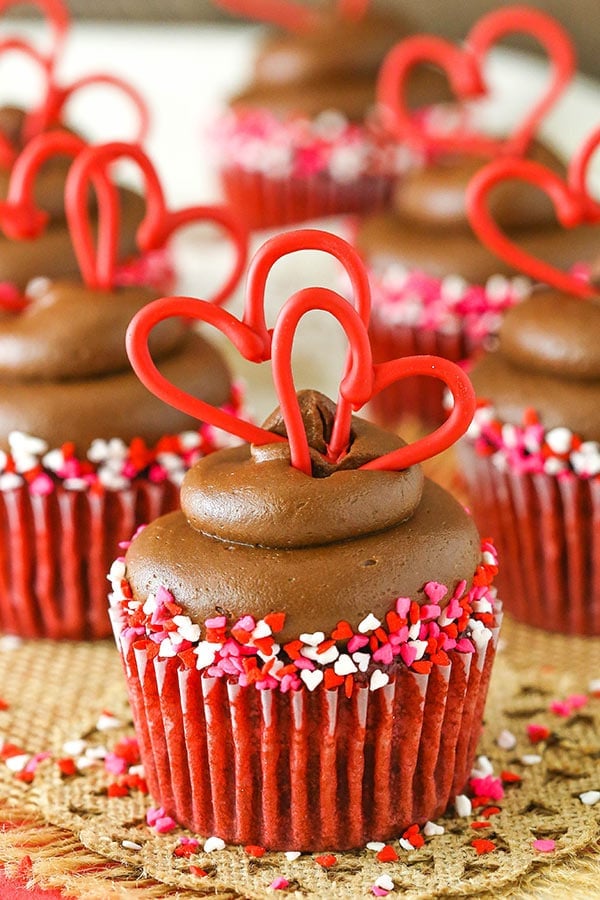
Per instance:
(86,453)
(532,455)
(302,140)
(436,289)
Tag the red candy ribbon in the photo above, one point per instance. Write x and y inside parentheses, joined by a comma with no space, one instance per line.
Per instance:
(291,16)
(572,202)
(251,337)
(463,66)
(21,219)
(57,17)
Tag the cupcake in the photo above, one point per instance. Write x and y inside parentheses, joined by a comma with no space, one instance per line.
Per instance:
(301,142)
(531,458)
(307,644)
(86,453)
(435,288)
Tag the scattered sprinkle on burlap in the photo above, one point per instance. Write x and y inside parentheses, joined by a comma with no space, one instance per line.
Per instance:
(73,833)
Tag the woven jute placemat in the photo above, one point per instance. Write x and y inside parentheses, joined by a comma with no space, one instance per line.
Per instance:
(72,832)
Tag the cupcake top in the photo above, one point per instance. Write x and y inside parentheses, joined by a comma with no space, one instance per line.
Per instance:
(261,536)
(332,66)
(65,380)
(283,567)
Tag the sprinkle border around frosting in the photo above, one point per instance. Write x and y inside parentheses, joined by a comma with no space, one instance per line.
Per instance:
(531,448)
(412,635)
(110,465)
(258,141)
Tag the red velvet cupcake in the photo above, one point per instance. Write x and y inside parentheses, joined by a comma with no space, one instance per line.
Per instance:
(308,643)
(532,455)
(302,140)
(86,453)
(436,289)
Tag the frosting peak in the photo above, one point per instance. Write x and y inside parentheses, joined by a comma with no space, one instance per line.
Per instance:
(252,495)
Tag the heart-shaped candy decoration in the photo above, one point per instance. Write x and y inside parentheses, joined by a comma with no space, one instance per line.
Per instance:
(98,266)
(573,204)
(464,68)
(359,382)
(292,16)
(20,219)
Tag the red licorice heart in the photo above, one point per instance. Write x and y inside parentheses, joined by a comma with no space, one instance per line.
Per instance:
(356,383)
(8,151)
(20,219)
(98,265)
(464,69)
(572,202)
(57,17)
(385,374)
(289,15)
(49,113)
(248,342)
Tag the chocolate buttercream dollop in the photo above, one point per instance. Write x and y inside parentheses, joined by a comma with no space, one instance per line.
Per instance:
(392,538)
(252,495)
(548,359)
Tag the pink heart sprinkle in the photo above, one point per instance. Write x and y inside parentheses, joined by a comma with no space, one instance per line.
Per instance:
(546,846)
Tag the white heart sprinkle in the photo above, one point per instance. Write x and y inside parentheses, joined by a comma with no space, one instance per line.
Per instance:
(385,883)
(506,740)
(74,748)
(106,722)
(419,646)
(482,768)
(463,806)
(17,763)
(432,829)
(97,752)
(362,660)
(531,759)
(291,855)
(590,798)
(344,665)
(559,439)
(313,679)
(313,640)
(213,843)
(379,679)
(324,659)
(262,630)
(206,652)
(406,845)
(187,629)
(375,846)
(84,762)
(594,686)
(370,623)
(166,648)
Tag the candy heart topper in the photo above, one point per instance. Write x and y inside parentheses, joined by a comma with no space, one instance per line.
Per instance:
(572,202)
(292,16)
(464,68)
(21,219)
(360,380)
(57,17)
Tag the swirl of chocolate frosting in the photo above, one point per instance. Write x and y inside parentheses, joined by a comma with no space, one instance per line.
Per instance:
(316,572)
(65,376)
(333,67)
(435,195)
(548,359)
(254,496)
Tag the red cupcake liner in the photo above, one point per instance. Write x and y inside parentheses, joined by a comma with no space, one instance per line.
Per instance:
(413,397)
(300,770)
(55,551)
(547,532)
(265,202)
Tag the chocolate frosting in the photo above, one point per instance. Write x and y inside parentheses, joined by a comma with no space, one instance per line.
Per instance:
(317,573)
(51,255)
(332,67)
(230,496)
(50,183)
(548,359)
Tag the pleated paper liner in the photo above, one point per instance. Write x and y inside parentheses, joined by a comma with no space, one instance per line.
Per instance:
(413,397)
(547,532)
(56,549)
(265,201)
(56,692)
(304,770)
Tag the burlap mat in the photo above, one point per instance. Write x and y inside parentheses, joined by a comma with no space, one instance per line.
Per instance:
(56,693)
